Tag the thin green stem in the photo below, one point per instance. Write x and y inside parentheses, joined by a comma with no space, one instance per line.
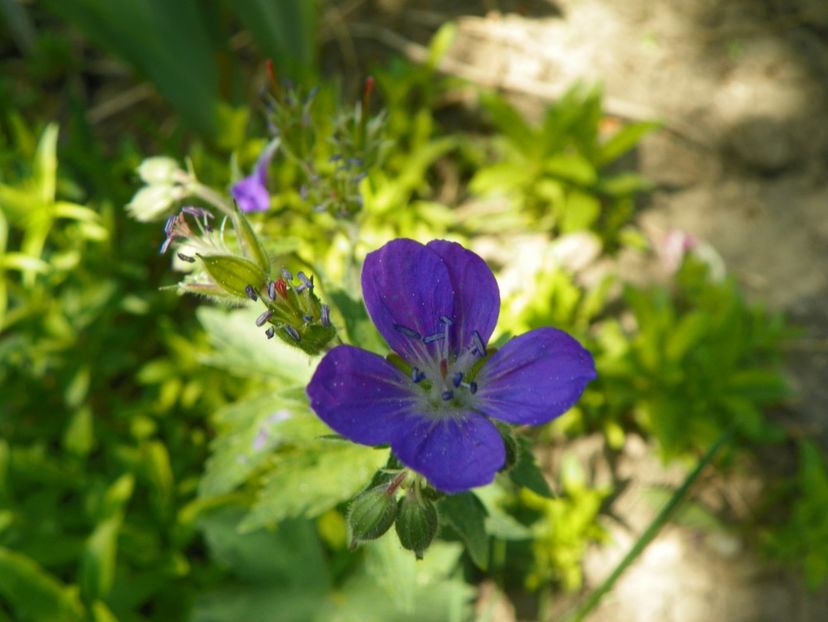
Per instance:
(650,533)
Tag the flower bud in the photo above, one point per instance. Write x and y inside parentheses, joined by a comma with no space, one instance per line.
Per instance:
(416,523)
(159,170)
(234,274)
(371,514)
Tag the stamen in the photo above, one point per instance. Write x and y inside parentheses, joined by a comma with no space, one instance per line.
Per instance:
(307,319)
(433,338)
(417,375)
(408,332)
(186,258)
(447,395)
(294,334)
(478,347)
(270,332)
(251,293)
(168,226)
(443,367)
(472,387)
(446,320)
(271,290)
(307,282)
(264,317)
(325,316)
(457,378)
(286,274)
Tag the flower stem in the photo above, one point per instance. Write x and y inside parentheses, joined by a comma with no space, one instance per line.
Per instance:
(212,197)
(650,533)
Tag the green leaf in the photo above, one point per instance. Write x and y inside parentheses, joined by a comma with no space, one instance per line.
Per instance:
(440,43)
(33,593)
(571,167)
(79,437)
(526,472)
(285,31)
(358,325)
(581,212)
(623,140)
(242,349)
(180,57)
(249,431)
(466,514)
(309,482)
(97,569)
(45,164)
(510,122)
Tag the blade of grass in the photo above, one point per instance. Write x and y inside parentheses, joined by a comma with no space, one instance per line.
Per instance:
(651,532)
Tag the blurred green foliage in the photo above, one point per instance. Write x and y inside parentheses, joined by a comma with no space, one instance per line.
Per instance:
(161,462)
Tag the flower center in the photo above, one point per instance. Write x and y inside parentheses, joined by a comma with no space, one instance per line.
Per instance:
(443,378)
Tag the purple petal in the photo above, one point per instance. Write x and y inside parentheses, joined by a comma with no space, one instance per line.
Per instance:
(407,289)
(455,454)
(476,295)
(359,395)
(535,377)
(251,194)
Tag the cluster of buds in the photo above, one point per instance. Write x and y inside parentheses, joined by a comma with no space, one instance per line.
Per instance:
(238,269)
(414,514)
(331,182)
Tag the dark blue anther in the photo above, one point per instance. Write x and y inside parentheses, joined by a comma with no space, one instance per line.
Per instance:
(270,332)
(307,319)
(335,157)
(264,317)
(447,395)
(307,282)
(478,347)
(251,293)
(433,338)
(271,290)
(408,332)
(286,274)
(417,375)
(457,378)
(186,258)
(293,333)
(325,316)
(472,387)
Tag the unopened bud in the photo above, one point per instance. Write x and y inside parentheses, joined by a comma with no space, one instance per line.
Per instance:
(416,523)
(371,514)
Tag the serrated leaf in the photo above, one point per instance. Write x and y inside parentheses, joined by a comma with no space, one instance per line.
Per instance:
(241,348)
(308,482)
(466,514)
(249,431)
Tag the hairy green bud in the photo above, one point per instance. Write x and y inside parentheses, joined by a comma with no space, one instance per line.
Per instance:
(371,514)
(417,523)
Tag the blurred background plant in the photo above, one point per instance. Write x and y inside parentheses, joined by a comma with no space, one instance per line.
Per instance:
(158,458)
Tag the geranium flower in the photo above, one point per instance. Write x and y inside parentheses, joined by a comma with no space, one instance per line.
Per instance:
(437,305)
(251,193)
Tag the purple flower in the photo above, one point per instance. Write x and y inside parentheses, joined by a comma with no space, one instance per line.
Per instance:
(437,305)
(251,193)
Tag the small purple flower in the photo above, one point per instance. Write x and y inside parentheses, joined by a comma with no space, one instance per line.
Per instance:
(251,193)
(437,305)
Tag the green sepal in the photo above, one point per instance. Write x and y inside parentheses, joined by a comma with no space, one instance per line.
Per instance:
(313,338)
(417,523)
(371,514)
(233,274)
(250,241)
